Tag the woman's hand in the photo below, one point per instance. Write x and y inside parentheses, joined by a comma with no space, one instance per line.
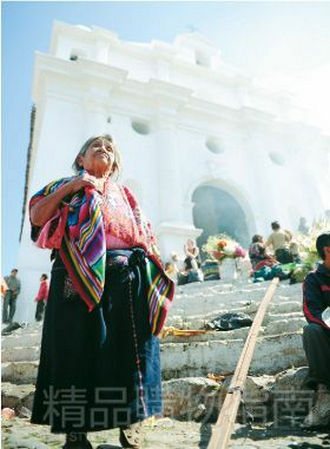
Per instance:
(81,181)
(44,209)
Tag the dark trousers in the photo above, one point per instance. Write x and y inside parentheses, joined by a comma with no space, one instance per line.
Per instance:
(40,310)
(283,255)
(316,340)
(9,301)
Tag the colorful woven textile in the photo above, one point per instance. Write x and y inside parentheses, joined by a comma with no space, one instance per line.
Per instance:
(77,230)
(160,291)
(82,247)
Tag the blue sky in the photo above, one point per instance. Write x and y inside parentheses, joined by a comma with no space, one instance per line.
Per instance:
(260,38)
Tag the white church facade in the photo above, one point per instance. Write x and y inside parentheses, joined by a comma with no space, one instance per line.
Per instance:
(203,148)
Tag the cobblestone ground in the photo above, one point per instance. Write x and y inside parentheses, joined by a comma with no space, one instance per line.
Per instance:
(166,434)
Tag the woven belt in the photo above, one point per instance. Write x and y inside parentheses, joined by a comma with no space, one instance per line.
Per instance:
(126,257)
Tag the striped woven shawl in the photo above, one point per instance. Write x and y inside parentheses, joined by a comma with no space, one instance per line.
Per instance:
(77,230)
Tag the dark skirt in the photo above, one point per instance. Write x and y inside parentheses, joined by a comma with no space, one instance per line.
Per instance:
(101,369)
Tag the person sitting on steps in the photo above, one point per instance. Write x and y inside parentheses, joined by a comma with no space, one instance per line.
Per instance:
(316,335)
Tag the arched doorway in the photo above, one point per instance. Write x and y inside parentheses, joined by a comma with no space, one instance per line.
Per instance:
(216,211)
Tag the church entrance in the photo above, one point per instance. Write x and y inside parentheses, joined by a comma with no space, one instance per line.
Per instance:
(216,211)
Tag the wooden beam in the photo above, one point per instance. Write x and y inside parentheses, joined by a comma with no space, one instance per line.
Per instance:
(224,426)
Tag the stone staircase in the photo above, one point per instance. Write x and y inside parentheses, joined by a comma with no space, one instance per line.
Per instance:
(279,343)
(188,360)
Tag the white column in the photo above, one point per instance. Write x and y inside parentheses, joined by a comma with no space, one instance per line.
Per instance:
(96,114)
(170,200)
(174,228)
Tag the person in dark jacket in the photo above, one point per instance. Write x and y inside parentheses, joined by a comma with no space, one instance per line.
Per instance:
(316,335)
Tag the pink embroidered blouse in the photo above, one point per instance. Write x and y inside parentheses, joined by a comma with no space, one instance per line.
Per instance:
(122,219)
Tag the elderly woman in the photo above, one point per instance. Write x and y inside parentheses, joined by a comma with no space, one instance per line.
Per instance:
(99,363)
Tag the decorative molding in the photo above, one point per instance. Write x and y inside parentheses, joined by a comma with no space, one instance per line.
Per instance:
(179,229)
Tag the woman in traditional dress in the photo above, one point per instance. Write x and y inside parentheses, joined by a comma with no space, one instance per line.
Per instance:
(99,363)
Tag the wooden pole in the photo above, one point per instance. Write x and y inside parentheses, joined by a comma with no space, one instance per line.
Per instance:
(224,426)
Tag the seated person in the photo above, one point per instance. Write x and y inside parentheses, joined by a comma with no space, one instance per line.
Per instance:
(176,261)
(316,336)
(258,253)
(280,239)
(191,251)
(257,250)
(171,271)
(191,266)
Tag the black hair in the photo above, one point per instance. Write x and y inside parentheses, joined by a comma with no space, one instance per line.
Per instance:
(257,238)
(322,241)
(275,225)
(44,276)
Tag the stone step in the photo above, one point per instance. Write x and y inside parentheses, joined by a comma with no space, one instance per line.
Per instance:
(19,372)
(284,324)
(272,354)
(213,287)
(26,340)
(277,326)
(278,305)
(17,396)
(285,310)
(199,321)
(21,354)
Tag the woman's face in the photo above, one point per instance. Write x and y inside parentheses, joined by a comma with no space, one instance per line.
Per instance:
(99,157)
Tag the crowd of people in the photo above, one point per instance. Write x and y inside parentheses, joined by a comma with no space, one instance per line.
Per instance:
(279,248)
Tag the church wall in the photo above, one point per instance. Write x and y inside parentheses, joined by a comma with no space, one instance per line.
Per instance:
(275,169)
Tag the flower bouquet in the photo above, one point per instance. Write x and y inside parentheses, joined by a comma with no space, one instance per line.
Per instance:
(221,246)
